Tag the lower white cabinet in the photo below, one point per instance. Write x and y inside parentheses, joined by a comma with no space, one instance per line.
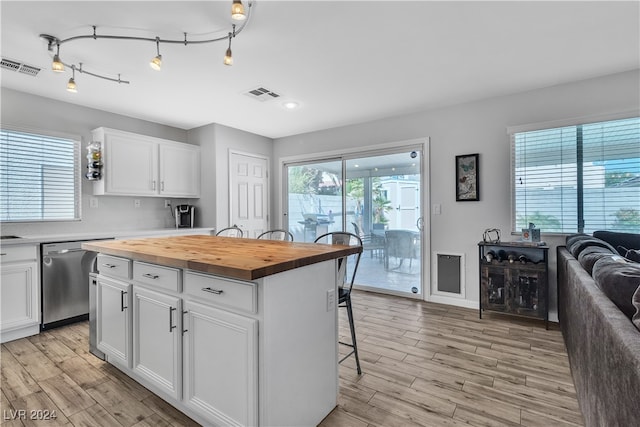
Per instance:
(157,339)
(220,364)
(224,351)
(19,292)
(113,313)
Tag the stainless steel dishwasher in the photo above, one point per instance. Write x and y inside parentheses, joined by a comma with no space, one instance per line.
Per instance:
(65,283)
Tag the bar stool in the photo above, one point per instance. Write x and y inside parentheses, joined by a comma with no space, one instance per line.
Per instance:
(233,231)
(344,288)
(276,235)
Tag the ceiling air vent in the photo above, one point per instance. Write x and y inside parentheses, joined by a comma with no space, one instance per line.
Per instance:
(262,94)
(8,64)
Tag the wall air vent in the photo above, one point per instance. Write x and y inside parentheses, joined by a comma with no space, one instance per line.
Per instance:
(30,70)
(262,94)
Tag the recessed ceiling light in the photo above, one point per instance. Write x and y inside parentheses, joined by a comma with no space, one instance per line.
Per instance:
(291,105)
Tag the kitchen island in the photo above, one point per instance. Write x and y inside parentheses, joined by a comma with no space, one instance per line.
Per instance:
(230,331)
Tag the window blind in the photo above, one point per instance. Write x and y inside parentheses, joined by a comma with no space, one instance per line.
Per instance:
(579,178)
(39,177)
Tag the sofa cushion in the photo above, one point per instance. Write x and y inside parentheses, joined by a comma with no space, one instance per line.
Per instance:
(636,303)
(579,245)
(619,280)
(591,254)
(630,254)
(627,240)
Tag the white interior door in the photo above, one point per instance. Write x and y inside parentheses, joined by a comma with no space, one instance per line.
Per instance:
(248,196)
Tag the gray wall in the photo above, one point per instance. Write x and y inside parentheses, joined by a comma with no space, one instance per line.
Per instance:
(215,142)
(478,127)
(113,213)
(474,127)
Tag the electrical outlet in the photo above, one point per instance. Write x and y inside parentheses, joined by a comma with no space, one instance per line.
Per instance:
(167,203)
(136,203)
(331,299)
(93,202)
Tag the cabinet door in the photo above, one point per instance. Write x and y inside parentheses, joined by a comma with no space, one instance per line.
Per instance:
(130,165)
(113,318)
(220,365)
(495,289)
(529,290)
(179,170)
(157,339)
(19,296)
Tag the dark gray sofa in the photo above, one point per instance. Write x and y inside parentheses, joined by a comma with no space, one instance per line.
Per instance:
(603,346)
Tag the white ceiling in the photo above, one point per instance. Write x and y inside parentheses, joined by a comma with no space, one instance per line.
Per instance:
(345,62)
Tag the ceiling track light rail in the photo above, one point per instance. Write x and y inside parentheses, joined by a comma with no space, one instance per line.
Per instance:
(237,13)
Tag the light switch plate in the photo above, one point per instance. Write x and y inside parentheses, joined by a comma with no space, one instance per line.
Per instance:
(136,203)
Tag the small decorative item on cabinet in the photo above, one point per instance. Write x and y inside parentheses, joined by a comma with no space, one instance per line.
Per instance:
(94,161)
(513,279)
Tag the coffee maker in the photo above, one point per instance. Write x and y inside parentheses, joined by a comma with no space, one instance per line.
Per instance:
(184,215)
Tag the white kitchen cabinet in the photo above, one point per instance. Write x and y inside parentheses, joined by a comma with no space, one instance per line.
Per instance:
(139,165)
(157,339)
(179,170)
(220,365)
(113,313)
(19,292)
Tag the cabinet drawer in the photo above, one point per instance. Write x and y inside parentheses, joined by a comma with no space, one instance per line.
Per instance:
(224,292)
(157,276)
(112,266)
(18,253)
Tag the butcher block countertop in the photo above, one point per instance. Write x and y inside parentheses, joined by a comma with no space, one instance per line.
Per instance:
(244,259)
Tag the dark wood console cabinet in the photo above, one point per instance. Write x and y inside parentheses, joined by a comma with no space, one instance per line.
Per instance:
(514,279)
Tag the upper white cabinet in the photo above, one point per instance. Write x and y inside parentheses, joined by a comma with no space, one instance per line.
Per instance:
(138,165)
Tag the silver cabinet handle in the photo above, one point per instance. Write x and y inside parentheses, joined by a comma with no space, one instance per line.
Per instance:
(162,185)
(171,325)
(109,265)
(153,184)
(122,306)
(150,276)
(183,323)
(213,291)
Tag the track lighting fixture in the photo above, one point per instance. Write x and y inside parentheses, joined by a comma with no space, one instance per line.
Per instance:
(228,58)
(57,65)
(238,13)
(237,10)
(71,86)
(156,63)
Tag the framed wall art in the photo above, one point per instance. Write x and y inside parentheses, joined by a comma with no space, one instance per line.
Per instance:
(467,186)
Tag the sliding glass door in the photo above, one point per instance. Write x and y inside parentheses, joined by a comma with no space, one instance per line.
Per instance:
(378,197)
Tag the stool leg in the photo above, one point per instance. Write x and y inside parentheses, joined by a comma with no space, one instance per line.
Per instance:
(353,332)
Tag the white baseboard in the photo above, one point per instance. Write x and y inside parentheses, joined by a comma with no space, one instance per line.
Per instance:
(458,302)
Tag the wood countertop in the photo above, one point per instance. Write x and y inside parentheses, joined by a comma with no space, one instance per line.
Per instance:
(245,259)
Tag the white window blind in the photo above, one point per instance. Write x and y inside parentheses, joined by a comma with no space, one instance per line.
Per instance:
(39,177)
(579,178)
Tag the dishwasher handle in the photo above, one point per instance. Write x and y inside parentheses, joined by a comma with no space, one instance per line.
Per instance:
(64,251)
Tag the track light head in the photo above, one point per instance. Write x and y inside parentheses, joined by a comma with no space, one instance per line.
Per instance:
(156,63)
(71,86)
(57,65)
(228,57)
(237,10)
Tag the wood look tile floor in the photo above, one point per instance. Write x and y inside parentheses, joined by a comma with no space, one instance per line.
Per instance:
(423,364)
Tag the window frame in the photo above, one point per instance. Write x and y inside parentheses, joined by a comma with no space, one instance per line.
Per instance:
(77,173)
(575,122)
